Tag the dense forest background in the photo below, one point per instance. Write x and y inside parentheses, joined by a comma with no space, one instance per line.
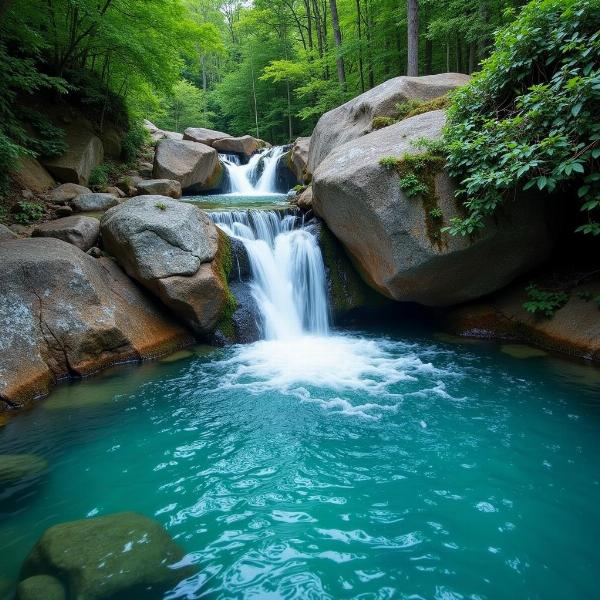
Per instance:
(267,67)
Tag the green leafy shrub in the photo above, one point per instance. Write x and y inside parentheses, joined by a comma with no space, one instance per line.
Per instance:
(531,116)
(99,177)
(544,302)
(161,206)
(29,212)
(412,185)
(436,213)
(134,140)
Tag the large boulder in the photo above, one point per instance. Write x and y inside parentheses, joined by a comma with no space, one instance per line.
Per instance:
(84,152)
(64,313)
(203,135)
(94,202)
(41,587)
(245,145)
(354,119)
(399,244)
(117,557)
(159,187)
(77,230)
(111,142)
(32,176)
(190,163)
(298,158)
(170,247)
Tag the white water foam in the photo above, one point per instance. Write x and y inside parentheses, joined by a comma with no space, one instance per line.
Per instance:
(242,177)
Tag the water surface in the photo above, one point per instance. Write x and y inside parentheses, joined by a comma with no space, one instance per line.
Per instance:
(362,465)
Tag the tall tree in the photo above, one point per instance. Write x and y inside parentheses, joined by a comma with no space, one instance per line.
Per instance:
(337,36)
(412,66)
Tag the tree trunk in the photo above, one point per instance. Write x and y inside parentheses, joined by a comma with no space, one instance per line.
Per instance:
(471,58)
(412,67)
(254,96)
(448,56)
(337,36)
(360,49)
(369,29)
(309,24)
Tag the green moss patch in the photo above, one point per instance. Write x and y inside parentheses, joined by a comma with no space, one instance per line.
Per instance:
(224,265)
(410,108)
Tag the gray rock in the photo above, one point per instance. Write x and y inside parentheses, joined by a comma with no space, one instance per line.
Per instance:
(84,152)
(160,187)
(245,145)
(190,163)
(298,158)
(145,169)
(6,233)
(67,192)
(353,119)
(304,200)
(170,247)
(203,135)
(31,175)
(41,587)
(131,556)
(64,211)
(128,184)
(94,202)
(16,467)
(94,252)
(64,313)
(388,234)
(77,230)
(154,237)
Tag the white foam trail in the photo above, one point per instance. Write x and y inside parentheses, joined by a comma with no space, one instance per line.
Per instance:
(267,181)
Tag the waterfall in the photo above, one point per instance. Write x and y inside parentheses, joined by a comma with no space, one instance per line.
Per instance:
(242,177)
(288,274)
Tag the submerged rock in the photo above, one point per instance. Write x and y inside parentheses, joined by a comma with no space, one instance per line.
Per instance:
(395,240)
(64,313)
(354,119)
(117,557)
(41,587)
(190,163)
(16,467)
(80,231)
(171,248)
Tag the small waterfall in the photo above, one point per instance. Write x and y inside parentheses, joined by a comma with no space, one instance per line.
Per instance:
(288,275)
(242,177)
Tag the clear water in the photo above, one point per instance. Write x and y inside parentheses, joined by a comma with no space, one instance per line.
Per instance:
(238,201)
(360,465)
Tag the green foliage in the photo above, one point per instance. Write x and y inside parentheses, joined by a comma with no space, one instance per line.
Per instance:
(531,117)
(29,212)
(99,177)
(133,141)
(436,213)
(412,185)
(161,206)
(544,302)
(381,122)
(389,163)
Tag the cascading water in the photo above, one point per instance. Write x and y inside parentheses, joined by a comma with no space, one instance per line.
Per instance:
(243,178)
(288,275)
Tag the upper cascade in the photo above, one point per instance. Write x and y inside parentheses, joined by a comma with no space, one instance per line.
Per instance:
(256,178)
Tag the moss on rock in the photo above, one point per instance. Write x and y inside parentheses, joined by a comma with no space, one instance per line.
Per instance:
(224,265)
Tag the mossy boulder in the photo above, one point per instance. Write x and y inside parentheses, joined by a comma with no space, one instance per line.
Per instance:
(391,218)
(117,557)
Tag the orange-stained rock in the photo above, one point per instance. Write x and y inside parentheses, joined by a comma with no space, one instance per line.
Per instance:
(64,313)
(574,329)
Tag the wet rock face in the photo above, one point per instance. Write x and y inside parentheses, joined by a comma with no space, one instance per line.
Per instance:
(354,119)
(298,160)
(389,235)
(78,230)
(131,556)
(64,313)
